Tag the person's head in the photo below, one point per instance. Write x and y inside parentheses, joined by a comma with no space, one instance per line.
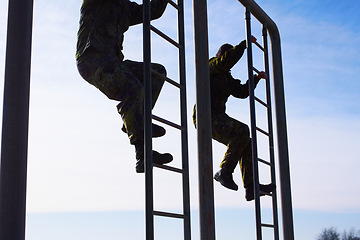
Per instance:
(223,49)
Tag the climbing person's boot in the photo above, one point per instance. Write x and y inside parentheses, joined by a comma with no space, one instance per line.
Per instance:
(224,175)
(159,158)
(264,189)
(226,179)
(157,131)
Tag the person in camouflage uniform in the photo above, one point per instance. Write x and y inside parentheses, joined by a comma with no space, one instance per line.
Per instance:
(100,62)
(226,130)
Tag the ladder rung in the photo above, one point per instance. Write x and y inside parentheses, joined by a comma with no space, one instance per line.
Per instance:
(167,122)
(173,4)
(257,71)
(268,225)
(259,46)
(262,131)
(265,193)
(265,162)
(167,214)
(260,101)
(168,168)
(166,79)
(165,36)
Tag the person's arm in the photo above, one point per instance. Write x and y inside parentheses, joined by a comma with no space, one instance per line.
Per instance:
(242,90)
(86,2)
(157,8)
(228,59)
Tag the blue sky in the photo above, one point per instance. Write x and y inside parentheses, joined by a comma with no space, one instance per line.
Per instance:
(81,164)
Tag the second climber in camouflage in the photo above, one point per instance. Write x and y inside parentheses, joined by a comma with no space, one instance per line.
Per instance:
(226,130)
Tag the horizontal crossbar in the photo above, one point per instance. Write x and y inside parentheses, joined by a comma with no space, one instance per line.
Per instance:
(257,71)
(265,193)
(166,79)
(262,131)
(259,46)
(268,225)
(265,162)
(260,101)
(173,4)
(161,34)
(168,168)
(166,214)
(167,122)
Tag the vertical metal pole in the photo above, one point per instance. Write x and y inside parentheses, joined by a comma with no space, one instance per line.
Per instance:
(270,129)
(203,122)
(253,125)
(184,133)
(15,121)
(149,204)
(284,165)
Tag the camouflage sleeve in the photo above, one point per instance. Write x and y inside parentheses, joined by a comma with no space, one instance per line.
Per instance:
(228,60)
(85,2)
(241,90)
(157,9)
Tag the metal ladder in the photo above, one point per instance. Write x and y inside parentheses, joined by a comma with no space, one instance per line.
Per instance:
(148,116)
(255,130)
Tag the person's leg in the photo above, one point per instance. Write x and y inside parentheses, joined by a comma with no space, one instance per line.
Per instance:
(114,79)
(246,167)
(235,135)
(120,84)
(232,133)
(137,68)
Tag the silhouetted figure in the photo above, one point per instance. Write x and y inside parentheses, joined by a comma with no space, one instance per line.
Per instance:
(100,62)
(227,130)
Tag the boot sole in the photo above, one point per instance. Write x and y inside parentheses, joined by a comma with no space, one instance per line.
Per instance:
(155,134)
(141,169)
(265,190)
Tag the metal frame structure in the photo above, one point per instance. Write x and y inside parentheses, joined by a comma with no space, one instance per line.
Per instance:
(254,130)
(280,114)
(149,208)
(203,116)
(13,168)
(203,122)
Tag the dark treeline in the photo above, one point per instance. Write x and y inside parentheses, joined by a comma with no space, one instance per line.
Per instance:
(332,234)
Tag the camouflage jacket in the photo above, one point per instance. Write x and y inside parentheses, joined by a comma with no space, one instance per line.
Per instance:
(103,23)
(222,84)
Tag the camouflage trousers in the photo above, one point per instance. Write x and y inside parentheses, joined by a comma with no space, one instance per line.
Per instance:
(121,81)
(236,136)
